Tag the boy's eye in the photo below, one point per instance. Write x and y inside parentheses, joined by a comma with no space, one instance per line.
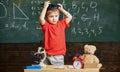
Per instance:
(56,16)
(51,16)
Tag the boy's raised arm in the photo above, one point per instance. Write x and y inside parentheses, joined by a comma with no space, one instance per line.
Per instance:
(42,15)
(66,13)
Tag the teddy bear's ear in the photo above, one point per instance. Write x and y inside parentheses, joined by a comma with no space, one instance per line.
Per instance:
(94,47)
(86,46)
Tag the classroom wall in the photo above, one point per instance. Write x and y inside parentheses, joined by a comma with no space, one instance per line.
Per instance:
(15,56)
(93,20)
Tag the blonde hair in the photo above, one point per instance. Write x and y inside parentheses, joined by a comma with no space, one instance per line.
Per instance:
(50,11)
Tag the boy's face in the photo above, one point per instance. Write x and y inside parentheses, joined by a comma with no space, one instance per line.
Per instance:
(53,17)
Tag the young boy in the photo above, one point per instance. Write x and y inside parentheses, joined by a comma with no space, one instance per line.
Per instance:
(54,31)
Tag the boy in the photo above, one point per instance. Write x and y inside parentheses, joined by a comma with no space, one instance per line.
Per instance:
(54,32)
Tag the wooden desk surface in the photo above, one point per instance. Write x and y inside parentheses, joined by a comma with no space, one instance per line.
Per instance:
(66,69)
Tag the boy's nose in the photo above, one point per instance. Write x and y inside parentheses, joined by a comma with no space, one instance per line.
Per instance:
(54,18)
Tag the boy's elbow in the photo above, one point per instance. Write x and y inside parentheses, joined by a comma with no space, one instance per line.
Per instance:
(70,17)
(42,21)
(41,18)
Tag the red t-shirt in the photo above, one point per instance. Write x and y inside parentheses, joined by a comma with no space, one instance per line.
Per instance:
(54,37)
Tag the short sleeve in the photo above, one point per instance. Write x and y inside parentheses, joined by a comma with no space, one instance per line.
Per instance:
(65,24)
(44,26)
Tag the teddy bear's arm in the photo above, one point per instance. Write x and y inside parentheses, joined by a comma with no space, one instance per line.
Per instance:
(96,60)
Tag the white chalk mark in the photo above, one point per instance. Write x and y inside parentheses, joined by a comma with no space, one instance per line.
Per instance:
(86,30)
(73,30)
(80,31)
(74,5)
(83,5)
(96,17)
(12,25)
(63,3)
(93,4)
(38,27)
(31,2)
(7,2)
(84,17)
(86,10)
(100,30)
(78,10)
(6,25)
(78,23)
(74,17)
(14,13)
(5,11)
(25,26)
(89,23)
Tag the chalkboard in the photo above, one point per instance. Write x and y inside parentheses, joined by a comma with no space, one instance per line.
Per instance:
(93,20)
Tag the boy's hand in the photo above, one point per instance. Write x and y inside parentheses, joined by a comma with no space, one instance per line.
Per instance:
(60,6)
(46,4)
(66,13)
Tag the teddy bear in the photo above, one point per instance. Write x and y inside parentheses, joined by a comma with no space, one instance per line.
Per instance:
(89,57)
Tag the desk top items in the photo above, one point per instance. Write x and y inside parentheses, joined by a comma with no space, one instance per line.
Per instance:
(33,67)
(42,54)
(78,62)
(88,59)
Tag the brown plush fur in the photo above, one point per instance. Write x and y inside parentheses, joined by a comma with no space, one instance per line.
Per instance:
(89,57)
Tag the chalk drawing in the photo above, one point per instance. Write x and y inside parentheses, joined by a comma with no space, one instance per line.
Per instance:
(5,11)
(14,13)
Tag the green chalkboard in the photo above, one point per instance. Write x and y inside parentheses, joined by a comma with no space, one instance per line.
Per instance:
(93,20)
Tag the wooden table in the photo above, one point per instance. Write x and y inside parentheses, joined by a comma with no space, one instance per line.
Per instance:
(51,68)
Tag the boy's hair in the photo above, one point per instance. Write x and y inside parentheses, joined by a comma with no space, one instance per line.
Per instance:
(52,7)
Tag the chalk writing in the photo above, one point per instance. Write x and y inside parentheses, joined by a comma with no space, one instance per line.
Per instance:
(17,26)
(87,17)
(23,15)
(81,16)
(36,6)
